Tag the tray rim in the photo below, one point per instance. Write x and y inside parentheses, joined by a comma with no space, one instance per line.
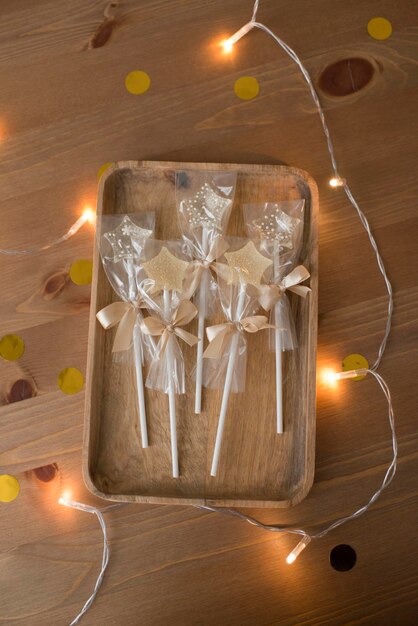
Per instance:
(311,428)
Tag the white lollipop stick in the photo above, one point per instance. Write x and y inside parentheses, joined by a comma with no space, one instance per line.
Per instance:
(228,383)
(138,360)
(279,377)
(201,327)
(171,393)
(140,386)
(278,350)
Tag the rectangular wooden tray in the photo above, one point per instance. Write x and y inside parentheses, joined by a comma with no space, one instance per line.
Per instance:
(257,466)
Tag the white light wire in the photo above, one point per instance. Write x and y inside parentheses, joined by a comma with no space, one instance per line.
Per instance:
(70,233)
(106,551)
(391,470)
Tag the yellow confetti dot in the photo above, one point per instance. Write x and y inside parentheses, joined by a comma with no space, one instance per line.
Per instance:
(102,170)
(137,82)
(70,380)
(355,362)
(9,488)
(81,272)
(379,28)
(11,347)
(246,87)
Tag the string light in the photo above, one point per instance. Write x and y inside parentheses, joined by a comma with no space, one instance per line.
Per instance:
(329,376)
(292,556)
(228,44)
(88,216)
(336,182)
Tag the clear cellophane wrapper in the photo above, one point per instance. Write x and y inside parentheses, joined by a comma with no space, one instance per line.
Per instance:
(204,202)
(121,239)
(167,366)
(278,229)
(237,300)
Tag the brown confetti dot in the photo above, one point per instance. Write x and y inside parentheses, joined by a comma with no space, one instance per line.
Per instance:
(21,390)
(46,473)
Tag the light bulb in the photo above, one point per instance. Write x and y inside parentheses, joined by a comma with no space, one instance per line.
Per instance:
(336,182)
(330,378)
(65,498)
(227,45)
(291,558)
(89,215)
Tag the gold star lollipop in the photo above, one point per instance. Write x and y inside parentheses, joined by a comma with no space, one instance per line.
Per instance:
(247,264)
(166,270)
(276,225)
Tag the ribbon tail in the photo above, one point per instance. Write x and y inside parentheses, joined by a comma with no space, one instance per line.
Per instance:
(185,313)
(192,281)
(162,345)
(300,290)
(269,296)
(190,339)
(112,314)
(124,333)
(217,341)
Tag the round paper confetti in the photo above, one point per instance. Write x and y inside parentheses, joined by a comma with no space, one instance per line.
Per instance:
(70,380)
(102,170)
(81,271)
(137,82)
(11,347)
(9,488)
(246,87)
(355,362)
(379,28)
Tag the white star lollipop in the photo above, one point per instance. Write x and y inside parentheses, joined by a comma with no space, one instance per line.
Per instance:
(281,230)
(276,225)
(206,208)
(127,241)
(209,211)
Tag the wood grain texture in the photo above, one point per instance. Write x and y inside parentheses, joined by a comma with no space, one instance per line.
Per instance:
(258,467)
(65,112)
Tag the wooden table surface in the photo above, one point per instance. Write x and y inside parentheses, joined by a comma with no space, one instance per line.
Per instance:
(64,113)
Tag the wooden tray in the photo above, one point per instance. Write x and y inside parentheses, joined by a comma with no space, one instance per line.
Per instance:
(257,466)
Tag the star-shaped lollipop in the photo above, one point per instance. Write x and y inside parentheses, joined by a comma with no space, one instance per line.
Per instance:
(166,270)
(277,225)
(247,264)
(127,239)
(206,208)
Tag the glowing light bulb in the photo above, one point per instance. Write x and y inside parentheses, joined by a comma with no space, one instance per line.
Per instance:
(330,378)
(227,45)
(337,182)
(291,558)
(89,215)
(65,498)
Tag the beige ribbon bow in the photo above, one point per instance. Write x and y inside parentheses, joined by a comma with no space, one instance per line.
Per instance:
(217,247)
(270,294)
(124,314)
(182,316)
(219,334)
